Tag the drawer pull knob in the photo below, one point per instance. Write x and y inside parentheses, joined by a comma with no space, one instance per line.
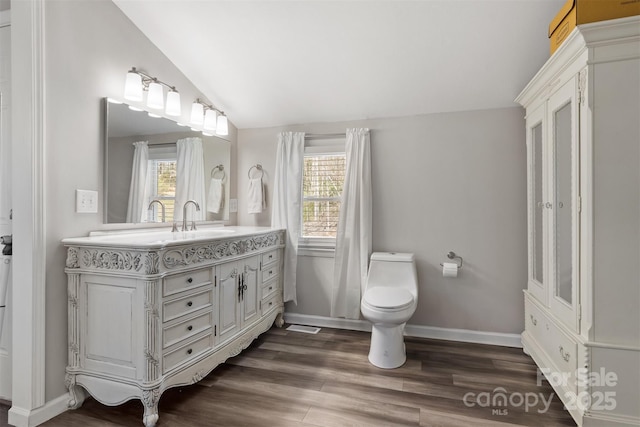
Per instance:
(189,328)
(270,303)
(270,287)
(533,320)
(565,355)
(270,256)
(270,271)
(189,351)
(190,280)
(190,303)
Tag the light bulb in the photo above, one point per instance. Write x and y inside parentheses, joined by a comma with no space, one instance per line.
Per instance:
(155,98)
(173,104)
(197,113)
(222,127)
(210,120)
(133,87)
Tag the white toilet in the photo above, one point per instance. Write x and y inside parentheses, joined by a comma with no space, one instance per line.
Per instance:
(389,300)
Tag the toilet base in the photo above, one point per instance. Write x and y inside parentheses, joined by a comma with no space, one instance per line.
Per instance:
(387,348)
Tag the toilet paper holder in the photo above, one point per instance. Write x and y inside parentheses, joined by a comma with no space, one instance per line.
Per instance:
(452,255)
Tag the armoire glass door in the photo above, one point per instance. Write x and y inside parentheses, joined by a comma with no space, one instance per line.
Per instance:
(537,241)
(562,204)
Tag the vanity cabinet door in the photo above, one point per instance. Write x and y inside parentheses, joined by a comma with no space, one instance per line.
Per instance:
(249,296)
(229,295)
(239,296)
(111,325)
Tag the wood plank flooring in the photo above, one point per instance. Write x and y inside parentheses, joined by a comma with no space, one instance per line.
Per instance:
(295,379)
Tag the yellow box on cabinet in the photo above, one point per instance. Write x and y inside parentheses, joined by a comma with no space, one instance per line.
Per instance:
(576,12)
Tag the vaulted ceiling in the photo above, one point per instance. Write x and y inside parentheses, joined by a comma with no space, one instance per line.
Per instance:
(270,63)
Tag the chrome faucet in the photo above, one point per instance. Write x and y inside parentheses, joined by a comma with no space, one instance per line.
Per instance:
(161,205)
(184,215)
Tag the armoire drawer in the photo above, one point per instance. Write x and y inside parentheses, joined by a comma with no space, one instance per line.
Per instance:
(536,323)
(563,351)
(560,350)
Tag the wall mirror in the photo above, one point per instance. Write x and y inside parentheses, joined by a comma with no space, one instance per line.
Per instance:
(123,128)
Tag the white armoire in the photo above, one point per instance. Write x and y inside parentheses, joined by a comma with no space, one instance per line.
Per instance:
(582,302)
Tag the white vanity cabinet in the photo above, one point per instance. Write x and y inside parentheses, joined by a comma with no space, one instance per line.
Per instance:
(147,313)
(582,322)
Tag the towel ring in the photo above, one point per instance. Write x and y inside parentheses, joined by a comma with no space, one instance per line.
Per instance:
(219,168)
(258,167)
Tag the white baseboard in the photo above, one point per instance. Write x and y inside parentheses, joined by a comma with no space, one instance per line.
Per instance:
(29,418)
(464,335)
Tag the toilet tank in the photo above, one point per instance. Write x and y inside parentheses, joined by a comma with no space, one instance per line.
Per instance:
(393,269)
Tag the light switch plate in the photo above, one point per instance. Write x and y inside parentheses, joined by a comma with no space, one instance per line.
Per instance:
(86,201)
(233,205)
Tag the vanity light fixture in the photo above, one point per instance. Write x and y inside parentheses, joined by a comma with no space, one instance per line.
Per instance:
(209,117)
(210,120)
(197,113)
(137,82)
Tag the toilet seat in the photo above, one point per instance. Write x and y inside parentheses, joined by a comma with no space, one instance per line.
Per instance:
(388,298)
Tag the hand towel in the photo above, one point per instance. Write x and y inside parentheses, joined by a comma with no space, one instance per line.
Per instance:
(216,195)
(257,200)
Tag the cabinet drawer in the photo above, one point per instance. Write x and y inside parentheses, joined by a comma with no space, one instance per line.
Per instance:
(564,353)
(187,304)
(269,289)
(270,257)
(184,281)
(560,350)
(188,351)
(270,303)
(187,329)
(535,323)
(270,272)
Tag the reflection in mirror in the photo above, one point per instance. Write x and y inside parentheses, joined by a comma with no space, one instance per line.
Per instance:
(144,161)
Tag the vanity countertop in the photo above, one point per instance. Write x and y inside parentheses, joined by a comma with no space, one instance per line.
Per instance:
(161,238)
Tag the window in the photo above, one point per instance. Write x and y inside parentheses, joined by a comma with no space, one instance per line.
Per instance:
(162,182)
(322,183)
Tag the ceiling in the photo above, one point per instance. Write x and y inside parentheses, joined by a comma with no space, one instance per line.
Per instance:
(271,63)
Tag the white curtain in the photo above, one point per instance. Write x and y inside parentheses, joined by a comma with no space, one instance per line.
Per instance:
(287,202)
(353,241)
(190,178)
(139,190)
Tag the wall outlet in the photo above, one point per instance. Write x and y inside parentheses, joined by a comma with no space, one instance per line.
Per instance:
(233,205)
(86,201)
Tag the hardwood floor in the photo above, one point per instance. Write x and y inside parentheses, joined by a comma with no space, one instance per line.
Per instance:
(295,379)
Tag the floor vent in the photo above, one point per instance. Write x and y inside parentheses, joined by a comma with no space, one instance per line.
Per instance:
(305,329)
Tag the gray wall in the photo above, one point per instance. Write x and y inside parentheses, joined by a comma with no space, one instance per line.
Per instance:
(89,46)
(441,182)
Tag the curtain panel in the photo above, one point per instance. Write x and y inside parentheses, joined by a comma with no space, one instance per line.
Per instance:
(287,202)
(353,240)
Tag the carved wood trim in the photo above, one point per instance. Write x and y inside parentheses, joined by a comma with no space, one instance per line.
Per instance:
(152,317)
(73,327)
(179,257)
(105,259)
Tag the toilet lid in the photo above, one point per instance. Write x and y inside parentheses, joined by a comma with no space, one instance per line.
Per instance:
(388,297)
